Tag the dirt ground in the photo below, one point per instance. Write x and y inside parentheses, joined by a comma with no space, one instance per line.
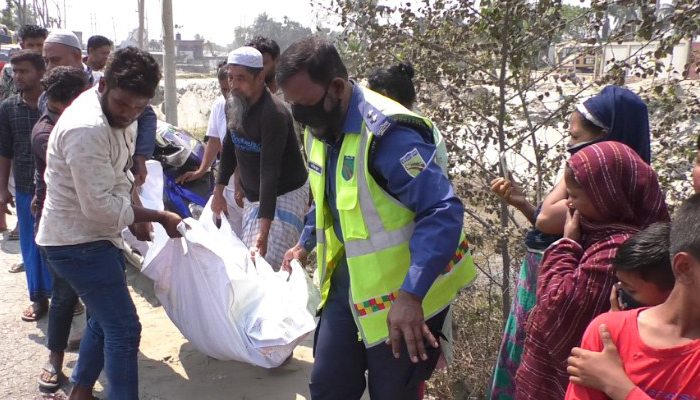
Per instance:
(169,367)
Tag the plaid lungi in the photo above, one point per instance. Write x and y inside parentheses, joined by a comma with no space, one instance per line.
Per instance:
(286,226)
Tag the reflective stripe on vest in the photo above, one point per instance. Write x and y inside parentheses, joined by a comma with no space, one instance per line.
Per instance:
(308,142)
(379,237)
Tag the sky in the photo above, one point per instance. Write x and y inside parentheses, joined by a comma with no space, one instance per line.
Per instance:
(216,20)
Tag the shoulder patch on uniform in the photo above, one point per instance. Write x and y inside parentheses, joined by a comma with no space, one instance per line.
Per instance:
(413,163)
(383,128)
(376,122)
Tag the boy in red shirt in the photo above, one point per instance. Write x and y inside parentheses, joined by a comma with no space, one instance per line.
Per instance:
(649,353)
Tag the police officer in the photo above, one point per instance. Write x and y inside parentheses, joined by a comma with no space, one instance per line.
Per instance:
(387,227)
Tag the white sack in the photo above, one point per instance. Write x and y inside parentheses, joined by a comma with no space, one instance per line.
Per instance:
(226,304)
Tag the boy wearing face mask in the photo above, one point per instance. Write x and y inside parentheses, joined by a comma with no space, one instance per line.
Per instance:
(648,353)
(262,149)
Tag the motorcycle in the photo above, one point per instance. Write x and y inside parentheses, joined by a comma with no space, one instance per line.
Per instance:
(177,152)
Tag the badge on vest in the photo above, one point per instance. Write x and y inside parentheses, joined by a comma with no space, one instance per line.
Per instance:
(315,168)
(413,163)
(348,170)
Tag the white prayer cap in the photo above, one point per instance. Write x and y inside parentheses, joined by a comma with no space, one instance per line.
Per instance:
(64,37)
(246,56)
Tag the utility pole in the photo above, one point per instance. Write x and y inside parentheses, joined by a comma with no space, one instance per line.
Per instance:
(169,63)
(141,24)
(114,29)
(93,24)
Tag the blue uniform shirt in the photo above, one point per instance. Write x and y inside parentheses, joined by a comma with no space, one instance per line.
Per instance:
(146,133)
(428,193)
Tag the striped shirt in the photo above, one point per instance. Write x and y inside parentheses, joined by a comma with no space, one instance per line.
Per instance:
(17,119)
(573,287)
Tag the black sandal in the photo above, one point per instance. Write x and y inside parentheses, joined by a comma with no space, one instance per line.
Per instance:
(55,378)
(33,314)
(13,235)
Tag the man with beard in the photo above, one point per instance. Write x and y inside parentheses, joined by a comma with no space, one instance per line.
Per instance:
(89,194)
(263,150)
(391,250)
(216,132)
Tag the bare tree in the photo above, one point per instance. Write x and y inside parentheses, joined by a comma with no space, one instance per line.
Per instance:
(44,17)
(23,12)
(481,77)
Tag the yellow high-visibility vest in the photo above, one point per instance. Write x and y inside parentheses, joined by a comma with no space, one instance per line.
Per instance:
(376,227)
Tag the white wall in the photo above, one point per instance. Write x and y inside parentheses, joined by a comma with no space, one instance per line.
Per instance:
(674,64)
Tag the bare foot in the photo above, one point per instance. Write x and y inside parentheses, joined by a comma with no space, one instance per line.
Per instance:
(81,393)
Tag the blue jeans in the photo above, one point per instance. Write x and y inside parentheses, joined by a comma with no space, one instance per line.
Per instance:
(62,306)
(61,309)
(96,272)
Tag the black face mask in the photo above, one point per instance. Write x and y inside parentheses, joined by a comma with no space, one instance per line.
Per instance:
(315,116)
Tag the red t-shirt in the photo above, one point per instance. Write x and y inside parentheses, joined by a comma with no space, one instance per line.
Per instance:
(671,373)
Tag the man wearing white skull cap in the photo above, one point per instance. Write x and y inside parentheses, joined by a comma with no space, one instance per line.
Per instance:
(262,149)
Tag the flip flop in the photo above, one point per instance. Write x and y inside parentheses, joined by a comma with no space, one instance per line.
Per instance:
(14,235)
(16,268)
(58,396)
(52,396)
(32,315)
(55,379)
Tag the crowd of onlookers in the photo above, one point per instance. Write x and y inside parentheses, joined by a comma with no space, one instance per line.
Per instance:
(39,83)
(607,302)
(603,241)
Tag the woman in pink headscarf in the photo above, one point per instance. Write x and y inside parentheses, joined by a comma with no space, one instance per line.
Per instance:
(613,194)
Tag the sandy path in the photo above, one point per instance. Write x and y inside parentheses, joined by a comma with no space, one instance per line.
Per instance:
(169,367)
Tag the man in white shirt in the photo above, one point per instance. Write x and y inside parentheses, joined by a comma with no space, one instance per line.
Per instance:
(216,132)
(88,202)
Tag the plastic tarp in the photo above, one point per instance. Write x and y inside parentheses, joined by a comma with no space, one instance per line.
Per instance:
(227,304)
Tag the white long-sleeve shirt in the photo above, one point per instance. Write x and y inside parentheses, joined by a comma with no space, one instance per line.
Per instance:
(88,182)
